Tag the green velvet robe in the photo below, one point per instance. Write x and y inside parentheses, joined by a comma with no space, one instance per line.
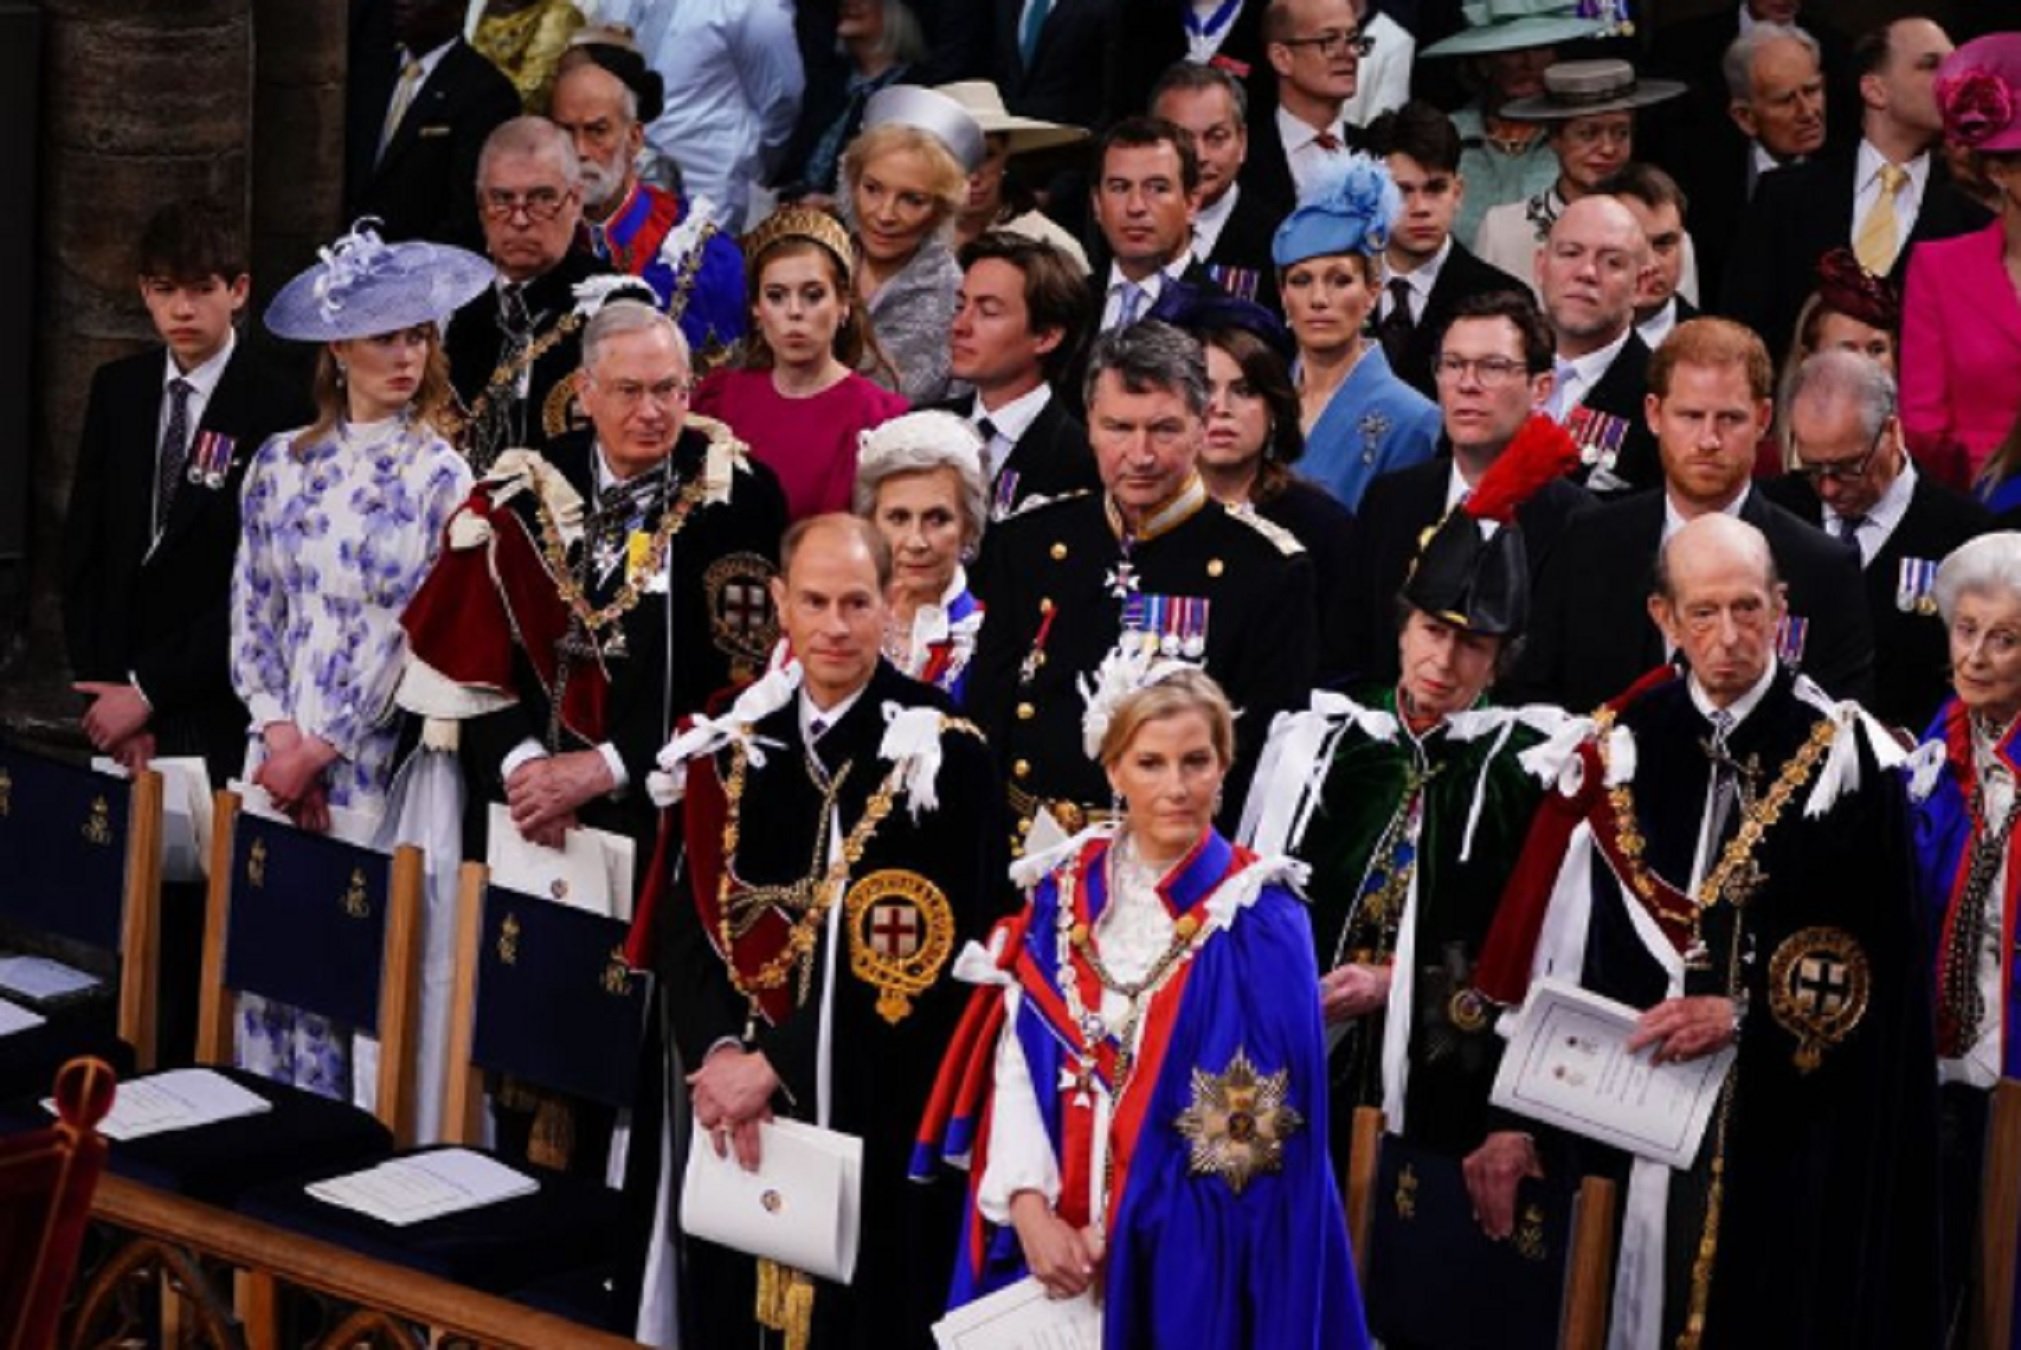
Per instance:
(1335,792)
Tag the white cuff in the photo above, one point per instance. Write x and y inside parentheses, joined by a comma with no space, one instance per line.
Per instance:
(1020,1152)
(525,752)
(620,779)
(133,679)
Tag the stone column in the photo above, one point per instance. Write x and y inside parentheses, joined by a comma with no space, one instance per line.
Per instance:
(300,53)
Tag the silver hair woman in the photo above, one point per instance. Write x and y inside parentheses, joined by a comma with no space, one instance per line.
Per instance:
(1962,789)
(919,480)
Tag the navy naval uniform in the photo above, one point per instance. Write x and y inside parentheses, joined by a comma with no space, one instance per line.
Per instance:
(1212,584)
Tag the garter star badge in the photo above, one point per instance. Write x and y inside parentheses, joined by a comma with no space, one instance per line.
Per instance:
(901,932)
(1818,982)
(1238,1122)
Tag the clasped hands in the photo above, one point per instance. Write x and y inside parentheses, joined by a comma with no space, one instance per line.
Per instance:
(1062,1258)
(292,774)
(732,1094)
(116,723)
(543,794)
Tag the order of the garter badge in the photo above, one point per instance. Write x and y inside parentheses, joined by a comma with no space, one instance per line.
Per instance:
(901,932)
(1818,982)
(1238,1122)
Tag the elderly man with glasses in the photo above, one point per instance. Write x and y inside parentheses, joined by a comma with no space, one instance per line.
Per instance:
(1854,476)
(512,349)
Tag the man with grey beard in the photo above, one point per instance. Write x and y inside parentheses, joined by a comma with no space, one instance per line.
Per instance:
(603,98)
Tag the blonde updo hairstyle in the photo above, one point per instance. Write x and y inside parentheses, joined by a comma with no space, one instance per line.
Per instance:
(948,181)
(1182,691)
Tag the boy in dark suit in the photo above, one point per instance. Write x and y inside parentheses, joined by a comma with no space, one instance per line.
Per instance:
(154,510)
(154,525)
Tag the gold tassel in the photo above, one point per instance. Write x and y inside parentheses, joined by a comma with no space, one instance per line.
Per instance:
(786,1303)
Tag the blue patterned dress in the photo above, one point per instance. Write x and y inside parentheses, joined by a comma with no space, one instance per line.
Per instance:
(336,539)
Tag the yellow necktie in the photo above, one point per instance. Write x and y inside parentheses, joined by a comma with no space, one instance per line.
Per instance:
(403,98)
(1875,243)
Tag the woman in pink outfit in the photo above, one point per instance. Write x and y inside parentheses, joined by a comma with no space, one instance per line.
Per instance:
(1961,325)
(797,397)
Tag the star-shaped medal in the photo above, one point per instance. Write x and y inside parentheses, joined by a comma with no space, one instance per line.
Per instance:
(1122,580)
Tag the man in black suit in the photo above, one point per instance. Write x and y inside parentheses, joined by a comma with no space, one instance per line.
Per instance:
(1430,272)
(1051,59)
(1769,111)
(1017,318)
(1854,477)
(1589,270)
(1315,47)
(1146,194)
(1882,195)
(1233,228)
(1658,205)
(1709,404)
(416,116)
(152,530)
(514,348)
(154,510)
(1494,361)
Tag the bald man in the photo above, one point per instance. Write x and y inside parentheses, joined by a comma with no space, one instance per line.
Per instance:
(1707,870)
(1587,272)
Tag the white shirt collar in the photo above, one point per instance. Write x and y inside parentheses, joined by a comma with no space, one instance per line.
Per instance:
(1740,707)
(1153,284)
(1657,326)
(1673,520)
(1015,418)
(1296,133)
(1760,161)
(829,716)
(1747,20)
(1425,275)
(204,379)
(1590,367)
(1885,514)
(1211,220)
(1867,162)
(429,59)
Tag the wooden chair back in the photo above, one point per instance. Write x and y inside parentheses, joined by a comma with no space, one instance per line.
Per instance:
(318,924)
(1999,1217)
(80,860)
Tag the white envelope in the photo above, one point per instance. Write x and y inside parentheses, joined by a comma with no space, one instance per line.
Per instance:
(592,869)
(185,813)
(801,1207)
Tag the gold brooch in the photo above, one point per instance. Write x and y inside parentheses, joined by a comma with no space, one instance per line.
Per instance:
(1238,1122)
(901,932)
(1818,982)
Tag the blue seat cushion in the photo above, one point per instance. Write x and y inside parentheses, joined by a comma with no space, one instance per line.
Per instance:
(29,1059)
(568,1224)
(588,1296)
(216,1162)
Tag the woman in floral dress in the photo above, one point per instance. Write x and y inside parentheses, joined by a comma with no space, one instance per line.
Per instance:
(342,520)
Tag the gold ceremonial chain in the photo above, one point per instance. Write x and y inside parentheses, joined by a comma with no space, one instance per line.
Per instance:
(1737,869)
(507,372)
(799,949)
(691,267)
(555,552)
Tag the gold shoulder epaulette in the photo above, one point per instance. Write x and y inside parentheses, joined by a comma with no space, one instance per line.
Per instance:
(1287,542)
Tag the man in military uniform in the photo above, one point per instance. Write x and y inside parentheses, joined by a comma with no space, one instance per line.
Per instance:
(841,826)
(604,98)
(513,349)
(1730,853)
(1152,559)
(589,600)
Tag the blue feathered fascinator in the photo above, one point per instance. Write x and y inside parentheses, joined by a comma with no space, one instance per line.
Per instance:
(1350,208)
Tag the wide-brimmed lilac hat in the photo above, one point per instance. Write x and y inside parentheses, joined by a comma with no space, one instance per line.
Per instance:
(1979,93)
(361,286)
